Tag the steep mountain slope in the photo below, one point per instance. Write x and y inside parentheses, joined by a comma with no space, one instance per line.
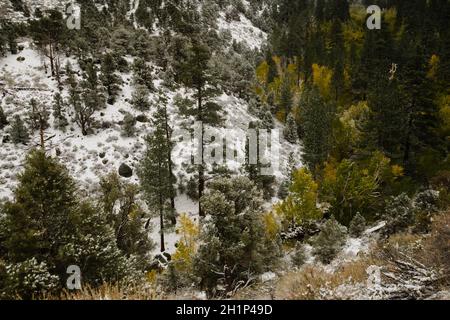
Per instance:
(24,76)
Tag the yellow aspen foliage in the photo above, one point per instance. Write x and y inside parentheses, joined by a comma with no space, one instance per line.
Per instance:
(397,171)
(261,73)
(277,61)
(301,203)
(271,225)
(390,18)
(444,114)
(188,243)
(281,115)
(433,67)
(322,79)
(352,33)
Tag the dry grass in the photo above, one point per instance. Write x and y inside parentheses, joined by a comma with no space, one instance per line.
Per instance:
(315,282)
(107,292)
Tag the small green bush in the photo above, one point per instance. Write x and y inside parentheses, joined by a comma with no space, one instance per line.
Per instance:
(329,241)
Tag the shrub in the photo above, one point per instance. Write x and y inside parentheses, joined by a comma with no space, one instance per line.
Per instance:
(234,244)
(129,125)
(27,279)
(299,256)
(399,213)
(357,225)
(438,245)
(301,203)
(329,241)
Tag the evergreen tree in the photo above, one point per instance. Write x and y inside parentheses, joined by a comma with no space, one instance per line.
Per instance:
(290,130)
(129,125)
(162,116)
(254,163)
(59,107)
(3,120)
(317,116)
(48,33)
(140,98)
(38,115)
(110,80)
(234,245)
(156,180)
(285,104)
(142,74)
(196,74)
(46,222)
(119,202)
(91,98)
(19,133)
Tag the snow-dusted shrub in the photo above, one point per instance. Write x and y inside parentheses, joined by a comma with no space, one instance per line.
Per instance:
(425,205)
(129,125)
(329,241)
(399,213)
(27,278)
(427,201)
(111,139)
(357,225)
(299,256)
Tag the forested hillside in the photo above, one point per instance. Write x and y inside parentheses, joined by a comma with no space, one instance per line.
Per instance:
(244,149)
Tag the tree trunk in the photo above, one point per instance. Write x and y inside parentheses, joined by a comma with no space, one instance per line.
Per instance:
(169,157)
(201,171)
(161,222)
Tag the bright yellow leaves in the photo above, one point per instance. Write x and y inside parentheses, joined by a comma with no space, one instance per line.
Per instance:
(433,67)
(301,203)
(188,243)
(322,79)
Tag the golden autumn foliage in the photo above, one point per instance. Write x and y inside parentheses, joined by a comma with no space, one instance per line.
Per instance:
(433,67)
(271,225)
(188,243)
(301,203)
(322,79)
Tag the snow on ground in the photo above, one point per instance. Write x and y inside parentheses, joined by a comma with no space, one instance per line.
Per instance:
(243,31)
(90,157)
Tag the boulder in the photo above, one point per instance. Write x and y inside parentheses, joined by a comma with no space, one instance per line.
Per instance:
(125,171)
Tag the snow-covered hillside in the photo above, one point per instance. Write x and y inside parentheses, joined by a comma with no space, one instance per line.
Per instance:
(23,76)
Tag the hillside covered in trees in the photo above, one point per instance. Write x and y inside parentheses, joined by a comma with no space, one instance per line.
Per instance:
(242,149)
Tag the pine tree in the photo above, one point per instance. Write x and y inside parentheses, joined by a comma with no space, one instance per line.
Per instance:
(253,167)
(129,125)
(142,74)
(119,203)
(233,245)
(92,98)
(290,130)
(195,73)
(140,98)
(19,133)
(285,104)
(337,56)
(47,222)
(110,80)
(59,107)
(48,33)
(156,180)
(163,116)
(317,116)
(3,119)
(38,116)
